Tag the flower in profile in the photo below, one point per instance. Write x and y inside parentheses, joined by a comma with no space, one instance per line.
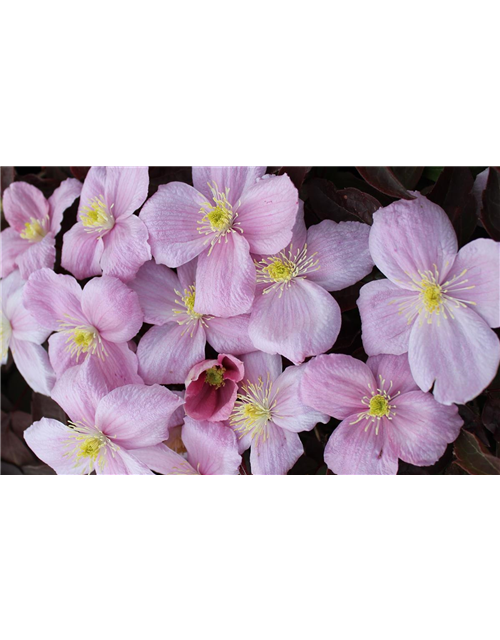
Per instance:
(211,388)
(29,242)
(211,447)
(106,425)
(293,313)
(230,212)
(268,414)
(108,238)
(24,336)
(385,416)
(95,323)
(438,303)
(169,349)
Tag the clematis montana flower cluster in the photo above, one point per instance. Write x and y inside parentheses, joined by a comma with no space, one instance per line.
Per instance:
(195,331)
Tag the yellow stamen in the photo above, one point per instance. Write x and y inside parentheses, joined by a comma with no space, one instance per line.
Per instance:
(379,406)
(253,409)
(219,217)
(33,231)
(280,270)
(187,314)
(96,216)
(215,376)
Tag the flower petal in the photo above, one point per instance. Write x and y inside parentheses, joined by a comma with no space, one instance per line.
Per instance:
(172,217)
(155,285)
(62,198)
(229,335)
(267,214)
(277,454)
(187,274)
(422,428)
(336,384)
(21,203)
(410,236)
(82,252)
(120,463)
(50,440)
(236,179)
(212,447)
(13,246)
(384,325)
(225,279)
(342,251)
(167,353)
(33,364)
(304,321)
(112,308)
(460,354)
(126,248)
(259,365)
(24,325)
(163,460)
(126,189)
(39,254)
(395,370)
(94,186)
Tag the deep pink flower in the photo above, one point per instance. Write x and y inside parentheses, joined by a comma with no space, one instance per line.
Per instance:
(168,350)
(24,336)
(94,323)
(29,242)
(230,212)
(438,303)
(269,415)
(293,314)
(384,414)
(106,425)
(107,238)
(211,388)
(212,449)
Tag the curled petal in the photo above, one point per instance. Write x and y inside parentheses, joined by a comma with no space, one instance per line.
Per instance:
(33,364)
(62,198)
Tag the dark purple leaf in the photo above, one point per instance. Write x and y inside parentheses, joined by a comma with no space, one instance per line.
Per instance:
(408,176)
(328,203)
(490,415)
(44,407)
(80,173)
(490,214)
(473,456)
(7,177)
(296,174)
(383,179)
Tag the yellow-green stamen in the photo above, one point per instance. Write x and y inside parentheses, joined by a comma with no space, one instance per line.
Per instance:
(215,376)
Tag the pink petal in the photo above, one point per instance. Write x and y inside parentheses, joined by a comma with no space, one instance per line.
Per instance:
(422,428)
(212,447)
(384,325)
(225,279)
(336,384)
(93,187)
(126,248)
(267,214)
(236,179)
(205,402)
(21,203)
(290,412)
(126,189)
(229,335)
(135,416)
(82,252)
(24,325)
(121,463)
(62,198)
(479,262)
(38,255)
(163,460)
(395,369)
(342,251)
(460,354)
(167,353)
(356,449)
(259,365)
(277,454)
(33,363)
(50,440)
(155,286)
(304,321)
(187,274)
(112,308)
(172,217)
(13,246)
(410,236)
(478,188)
(53,298)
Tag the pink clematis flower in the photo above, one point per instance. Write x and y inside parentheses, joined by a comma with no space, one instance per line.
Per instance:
(293,313)
(384,414)
(268,414)
(230,212)
(29,243)
(95,323)
(212,449)
(22,333)
(211,388)
(438,303)
(168,350)
(107,238)
(106,425)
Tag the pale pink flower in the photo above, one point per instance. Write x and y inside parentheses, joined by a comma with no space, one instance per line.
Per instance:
(293,314)
(438,303)
(230,212)
(384,414)
(24,336)
(269,415)
(168,350)
(107,238)
(94,323)
(106,425)
(211,388)
(212,449)
(29,243)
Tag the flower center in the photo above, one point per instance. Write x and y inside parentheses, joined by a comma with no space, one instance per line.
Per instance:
(431,295)
(218,217)
(215,376)
(379,406)
(282,269)
(82,339)
(187,314)
(88,445)
(253,409)
(5,333)
(34,231)
(96,217)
